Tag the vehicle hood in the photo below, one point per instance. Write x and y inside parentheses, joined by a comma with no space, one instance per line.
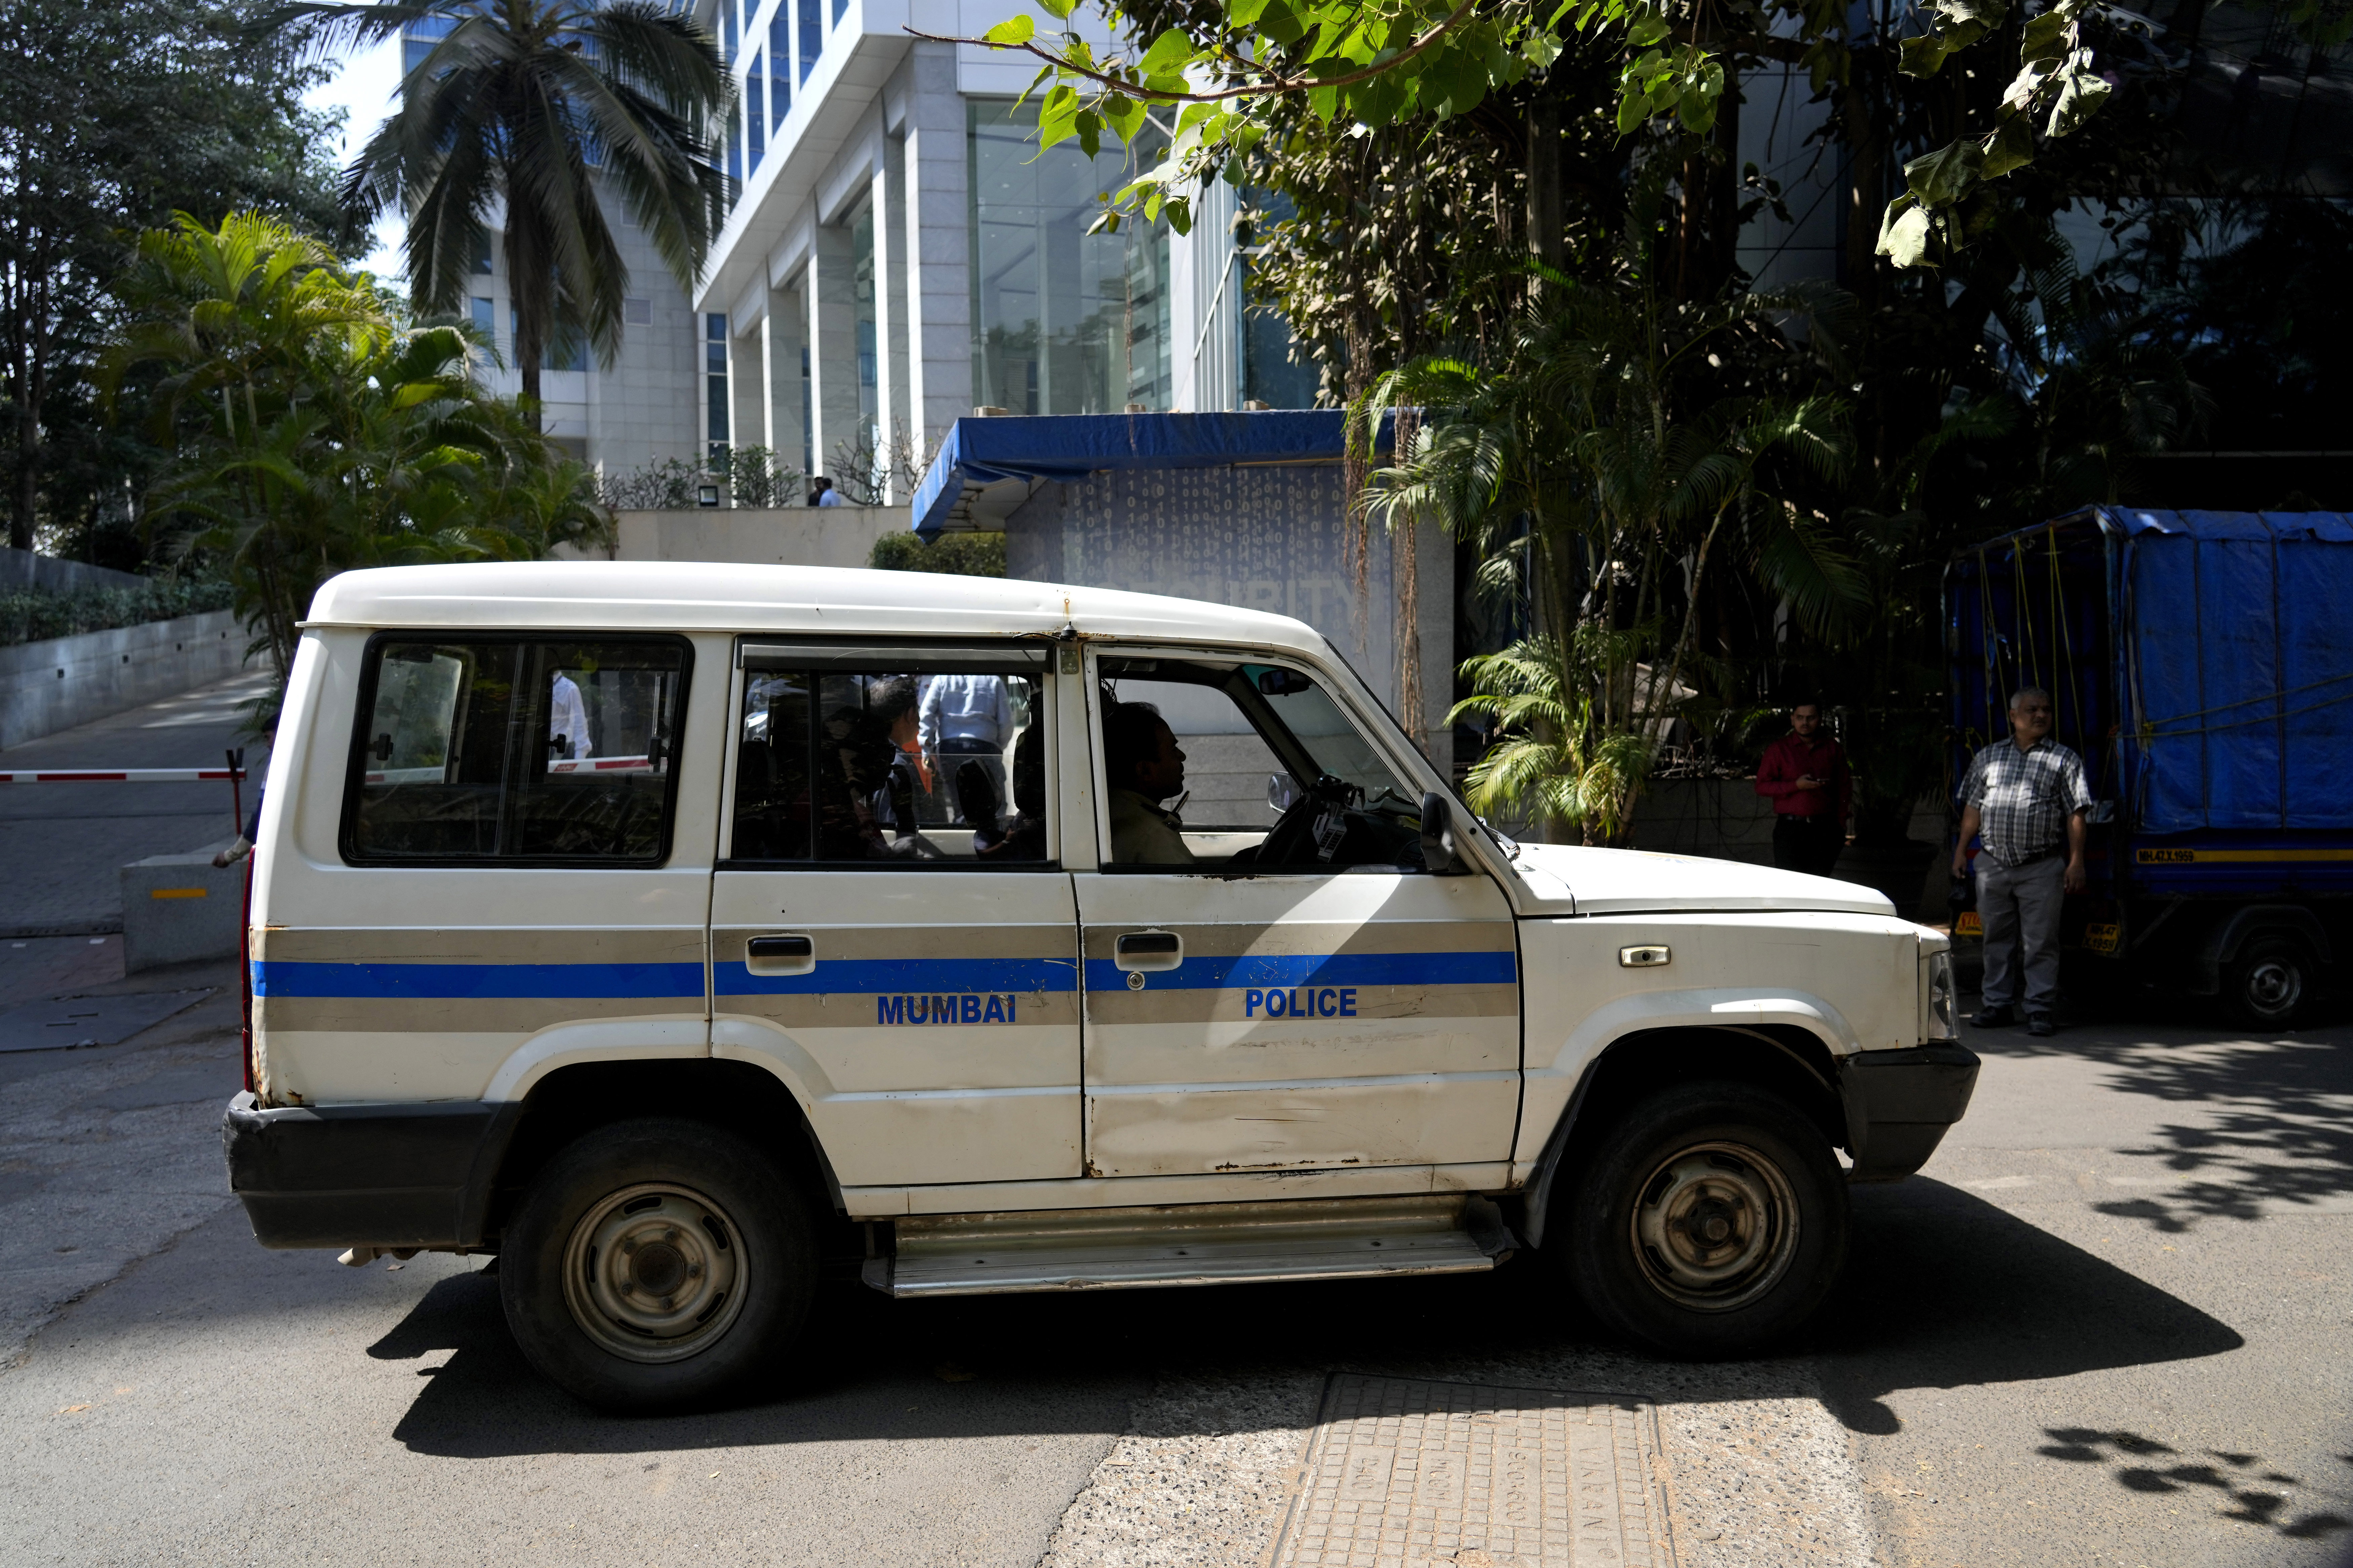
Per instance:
(1623,882)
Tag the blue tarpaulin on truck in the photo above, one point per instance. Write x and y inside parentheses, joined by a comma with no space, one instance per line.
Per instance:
(2237,661)
(2226,699)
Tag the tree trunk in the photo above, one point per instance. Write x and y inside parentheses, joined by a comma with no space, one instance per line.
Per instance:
(532,285)
(1548,221)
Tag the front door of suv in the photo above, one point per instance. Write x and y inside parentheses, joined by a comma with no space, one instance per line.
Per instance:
(1274,981)
(890,927)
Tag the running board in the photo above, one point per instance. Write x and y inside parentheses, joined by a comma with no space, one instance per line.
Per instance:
(1194,1243)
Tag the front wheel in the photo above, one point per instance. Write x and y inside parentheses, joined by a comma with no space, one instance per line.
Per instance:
(1709,1221)
(657,1264)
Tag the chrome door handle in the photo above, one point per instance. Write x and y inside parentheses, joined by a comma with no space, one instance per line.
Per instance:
(1148,951)
(780,954)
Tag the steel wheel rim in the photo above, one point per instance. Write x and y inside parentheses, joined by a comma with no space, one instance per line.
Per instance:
(2275,986)
(655,1272)
(1714,1226)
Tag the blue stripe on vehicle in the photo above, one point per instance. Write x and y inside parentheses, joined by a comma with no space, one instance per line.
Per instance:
(458,982)
(1359,969)
(834,976)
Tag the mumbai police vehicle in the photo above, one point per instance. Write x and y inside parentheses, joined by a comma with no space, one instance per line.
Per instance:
(676,932)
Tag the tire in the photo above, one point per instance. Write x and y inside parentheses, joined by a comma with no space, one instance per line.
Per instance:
(2269,983)
(1722,1154)
(721,1266)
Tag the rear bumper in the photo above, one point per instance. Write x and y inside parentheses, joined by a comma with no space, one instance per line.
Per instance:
(365,1175)
(1898,1104)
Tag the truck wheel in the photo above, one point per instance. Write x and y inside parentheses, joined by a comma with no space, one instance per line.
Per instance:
(2270,981)
(656,1264)
(1709,1221)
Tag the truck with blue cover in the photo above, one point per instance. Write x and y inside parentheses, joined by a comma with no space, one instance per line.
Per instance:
(2202,663)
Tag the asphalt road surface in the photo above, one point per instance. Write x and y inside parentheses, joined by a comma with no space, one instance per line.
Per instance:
(2111,1324)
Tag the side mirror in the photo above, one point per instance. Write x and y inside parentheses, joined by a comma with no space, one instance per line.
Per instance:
(1282,682)
(1438,851)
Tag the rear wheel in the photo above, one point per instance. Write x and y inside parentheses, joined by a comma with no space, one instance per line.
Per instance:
(2270,982)
(657,1264)
(1709,1221)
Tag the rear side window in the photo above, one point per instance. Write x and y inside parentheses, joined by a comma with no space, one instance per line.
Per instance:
(480,749)
(905,757)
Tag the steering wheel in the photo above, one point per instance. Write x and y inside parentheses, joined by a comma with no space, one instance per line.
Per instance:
(1292,841)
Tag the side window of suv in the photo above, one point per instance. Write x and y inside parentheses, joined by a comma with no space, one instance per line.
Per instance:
(482,749)
(908,758)
(1225,764)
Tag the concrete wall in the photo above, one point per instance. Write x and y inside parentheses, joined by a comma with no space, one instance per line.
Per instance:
(21,569)
(1263,538)
(49,686)
(776,536)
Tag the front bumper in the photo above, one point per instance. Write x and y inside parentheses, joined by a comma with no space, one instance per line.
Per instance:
(363,1175)
(1898,1104)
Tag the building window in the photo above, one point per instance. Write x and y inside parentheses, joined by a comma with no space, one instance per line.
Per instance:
(483,254)
(637,312)
(730,28)
(714,361)
(486,321)
(755,113)
(841,9)
(418,38)
(734,156)
(780,68)
(812,38)
(1064,321)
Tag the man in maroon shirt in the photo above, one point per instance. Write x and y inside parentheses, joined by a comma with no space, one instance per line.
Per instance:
(1805,775)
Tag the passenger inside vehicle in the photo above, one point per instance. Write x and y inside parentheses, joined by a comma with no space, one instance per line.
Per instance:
(1215,767)
(1144,768)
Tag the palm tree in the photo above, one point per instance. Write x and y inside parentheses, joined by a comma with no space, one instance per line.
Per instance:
(533,103)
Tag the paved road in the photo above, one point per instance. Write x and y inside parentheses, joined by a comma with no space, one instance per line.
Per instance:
(2111,1324)
(63,843)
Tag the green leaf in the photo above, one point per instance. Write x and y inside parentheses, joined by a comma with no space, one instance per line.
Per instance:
(2046,35)
(1013,30)
(1242,14)
(1090,132)
(1904,234)
(2080,93)
(1059,9)
(1279,23)
(1324,102)
(1925,55)
(1944,176)
(1123,116)
(2010,145)
(1171,51)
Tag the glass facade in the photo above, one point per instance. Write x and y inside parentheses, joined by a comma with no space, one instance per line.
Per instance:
(812,38)
(1064,321)
(755,113)
(780,68)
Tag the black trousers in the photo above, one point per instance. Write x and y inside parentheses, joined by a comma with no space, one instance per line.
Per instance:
(1807,844)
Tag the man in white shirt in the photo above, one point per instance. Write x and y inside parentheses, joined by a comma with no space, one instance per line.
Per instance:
(567,723)
(966,716)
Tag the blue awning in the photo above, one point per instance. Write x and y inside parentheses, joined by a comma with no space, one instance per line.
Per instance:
(990,465)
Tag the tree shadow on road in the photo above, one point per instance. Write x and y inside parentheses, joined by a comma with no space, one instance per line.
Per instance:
(2241,1485)
(2275,1127)
(1944,1289)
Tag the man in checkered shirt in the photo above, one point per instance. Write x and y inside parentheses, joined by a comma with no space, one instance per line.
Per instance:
(2024,798)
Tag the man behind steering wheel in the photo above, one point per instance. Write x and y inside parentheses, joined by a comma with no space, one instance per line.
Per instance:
(1144,767)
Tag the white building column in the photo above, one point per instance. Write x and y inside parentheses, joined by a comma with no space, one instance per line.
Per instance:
(828,287)
(887,248)
(938,250)
(780,349)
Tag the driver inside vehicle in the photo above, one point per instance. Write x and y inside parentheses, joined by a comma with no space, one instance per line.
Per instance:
(1144,767)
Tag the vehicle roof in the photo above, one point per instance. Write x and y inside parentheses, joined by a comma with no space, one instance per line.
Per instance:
(693,596)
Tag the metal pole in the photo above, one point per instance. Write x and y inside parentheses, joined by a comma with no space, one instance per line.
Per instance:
(237,792)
